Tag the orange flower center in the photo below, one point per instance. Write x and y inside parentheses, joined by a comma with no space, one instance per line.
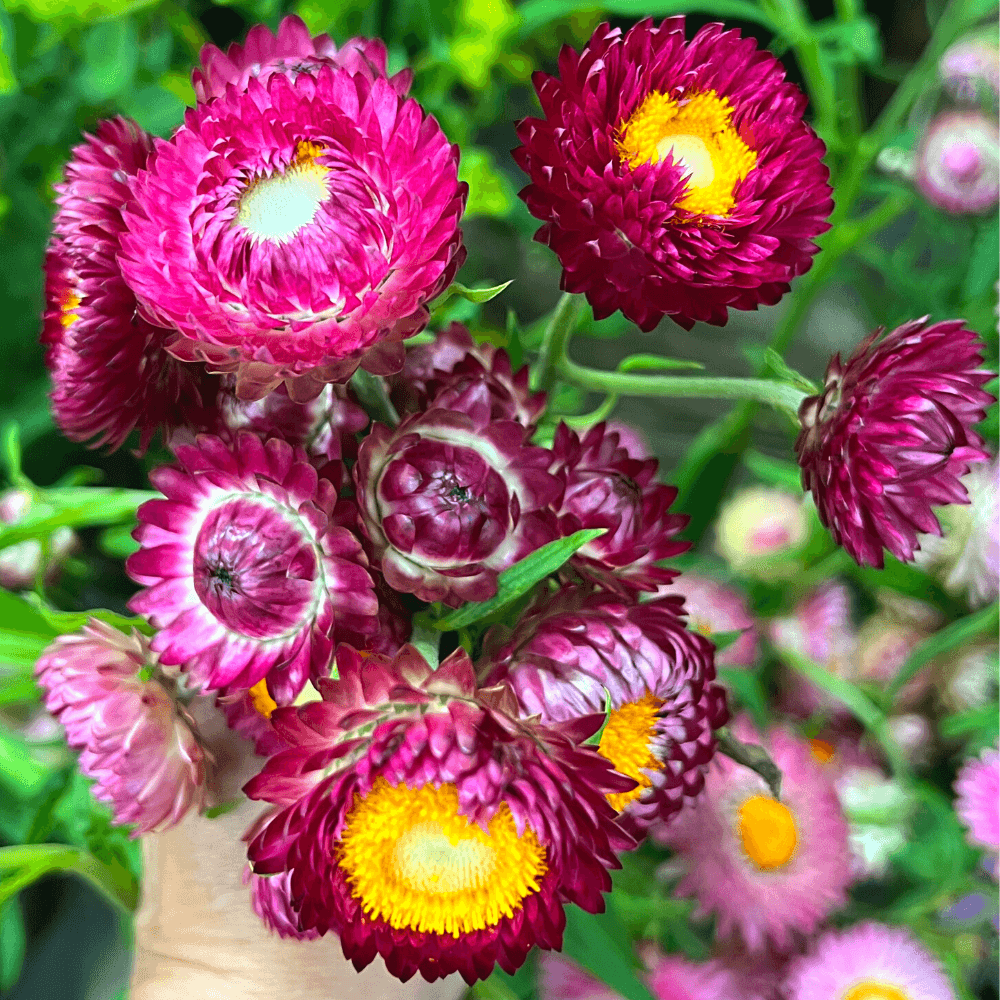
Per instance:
(767,832)
(627,741)
(821,750)
(872,990)
(262,700)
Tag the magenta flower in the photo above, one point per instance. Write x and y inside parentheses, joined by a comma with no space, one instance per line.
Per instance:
(674,178)
(110,371)
(978,799)
(768,870)
(304,225)
(291,52)
(891,435)
(448,503)
(271,901)
(867,960)
(246,574)
(967,65)
(136,740)
(580,647)
(958,162)
(422,822)
(248,712)
(607,488)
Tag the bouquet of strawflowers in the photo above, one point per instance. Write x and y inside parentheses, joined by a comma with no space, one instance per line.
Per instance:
(445,617)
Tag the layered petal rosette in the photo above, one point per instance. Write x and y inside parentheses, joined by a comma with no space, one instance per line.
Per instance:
(674,178)
(958,163)
(290,52)
(422,822)
(977,804)
(110,371)
(136,740)
(297,229)
(246,575)
(891,435)
(448,503)
(271,901)
(578,649)
(607,488)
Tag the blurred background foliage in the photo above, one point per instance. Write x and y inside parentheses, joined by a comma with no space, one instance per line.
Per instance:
(65,64)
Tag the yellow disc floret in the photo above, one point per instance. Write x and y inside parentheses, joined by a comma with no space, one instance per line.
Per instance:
(68,314)
(871,990)
(696,132)
(822,751)
(415,862)
(262,700)
(628,741)
(767,831)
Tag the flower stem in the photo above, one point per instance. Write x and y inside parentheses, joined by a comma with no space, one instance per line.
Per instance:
(555,340)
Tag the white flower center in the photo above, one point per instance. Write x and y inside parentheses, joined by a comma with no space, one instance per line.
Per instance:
(429,860)
(690,154)
(275,208)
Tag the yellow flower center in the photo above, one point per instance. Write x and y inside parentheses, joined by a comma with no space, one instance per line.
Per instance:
(68,309)
(696,132)
(627,742)
(767,830)
(871,990)
(275,208)
(821,750)
(262,700)
(415,862)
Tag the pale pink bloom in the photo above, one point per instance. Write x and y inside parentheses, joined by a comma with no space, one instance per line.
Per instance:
(758,528)
(977,788)
(958,163)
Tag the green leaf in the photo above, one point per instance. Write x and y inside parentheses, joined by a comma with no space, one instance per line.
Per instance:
(118,542)
(595,740)
(773,471)
(944,641)
(520,578)
(982,721)
(20,774)
(12,944)
(17,690)
(10,453)
(745,684)
(600,942)
(778,367)
(981,270)
(723,640)
(214,812)
(650,362)
(490,193)
(476,295)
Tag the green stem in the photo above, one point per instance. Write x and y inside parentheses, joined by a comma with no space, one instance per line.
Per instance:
(555,340)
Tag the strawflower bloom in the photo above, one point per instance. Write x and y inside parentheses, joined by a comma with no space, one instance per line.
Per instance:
(958,162)
(448,502)
(674,178)
(110,371)
(271,901)
(768,870)
(248,712)
(758,529)
(977,788)
(136,740)
(967,65)
(246,573)
(304,225)
(607,487)
(869,961)
(422,822)
(580,648)
(891,435)
(291,52)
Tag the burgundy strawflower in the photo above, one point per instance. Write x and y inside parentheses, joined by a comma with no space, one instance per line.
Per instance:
(270,899)
(136,740)
(291,52)
(674,178)
(580,647)
(449,502)
(296,229)
(606,487)
(248,712)
(422,822)
(247,575)
(891,434)
(110,371)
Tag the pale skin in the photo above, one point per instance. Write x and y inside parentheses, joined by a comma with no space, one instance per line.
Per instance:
(196,936)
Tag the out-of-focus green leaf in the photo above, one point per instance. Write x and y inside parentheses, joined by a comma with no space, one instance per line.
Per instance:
(978,727)
(490,193)
(12,944)
(746,686)
(982,268)
(80,10)
(483,26)
(476,295)
(20,773)
(936,852)
(600,942)
(17,690)
(652,362)
(773,471)
(110,58)
(520,578)
(156,109)
(118,542)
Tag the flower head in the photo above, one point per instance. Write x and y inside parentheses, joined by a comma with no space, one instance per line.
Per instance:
(891,434)
(449,502)
(674,178)
(291,52)
(978,799)
(110,371)
(270,898)
(304,223)
(768,870)
(578,649)
(606,487)
(867,962)
(421,821)
(967,65)
(136,742)
(246,573)
(758,528)
(958,162)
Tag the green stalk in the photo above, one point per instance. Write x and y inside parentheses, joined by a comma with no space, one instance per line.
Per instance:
(555,340)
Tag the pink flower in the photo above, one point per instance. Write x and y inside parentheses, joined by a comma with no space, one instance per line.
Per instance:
(958,162)
(968,64)
(674,178)
(247,573)
(304,223)
(449,502)
(422,822)
(891,434)
(579,648)
(977,804)
(769,871)
(136,741)
(291,52)
(110,371)
(759,529)
(270,897)
(867,960)
(608,488)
